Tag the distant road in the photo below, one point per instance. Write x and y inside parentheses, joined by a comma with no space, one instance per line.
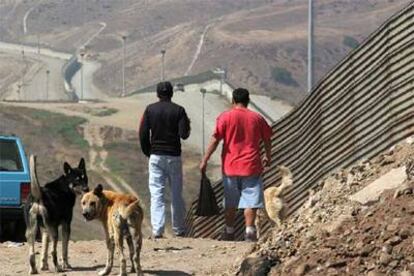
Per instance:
(26,15)
(35,80)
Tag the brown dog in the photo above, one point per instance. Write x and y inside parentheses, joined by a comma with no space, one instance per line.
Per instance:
(275,207)
(121,216)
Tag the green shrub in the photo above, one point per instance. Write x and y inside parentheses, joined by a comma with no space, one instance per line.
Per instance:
(350,42)
(283,76)
(102,112)
(60,125)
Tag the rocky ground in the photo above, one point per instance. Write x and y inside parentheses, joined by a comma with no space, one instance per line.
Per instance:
(351,225)
(175,256)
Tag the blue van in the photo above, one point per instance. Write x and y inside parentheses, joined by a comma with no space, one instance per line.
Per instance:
(14,187)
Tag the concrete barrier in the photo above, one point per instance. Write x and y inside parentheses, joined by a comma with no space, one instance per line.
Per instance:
(69,69)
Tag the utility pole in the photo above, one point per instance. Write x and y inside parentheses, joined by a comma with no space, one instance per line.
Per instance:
(203,93)
(82,54)
(124,37)
(38,44)
(23,72)
(47,84)
(162,65)
(310,45)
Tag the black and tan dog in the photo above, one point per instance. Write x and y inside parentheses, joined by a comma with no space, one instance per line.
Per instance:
(50,206)
(121,216)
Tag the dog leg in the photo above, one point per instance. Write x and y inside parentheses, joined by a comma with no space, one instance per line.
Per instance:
(31,236)
(110,254)
(131,252)
(45,249)
(53,231)
(119,243)
(137,237)
(65,243)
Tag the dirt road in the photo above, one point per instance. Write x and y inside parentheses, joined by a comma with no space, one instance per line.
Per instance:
(175,256)
(34,83)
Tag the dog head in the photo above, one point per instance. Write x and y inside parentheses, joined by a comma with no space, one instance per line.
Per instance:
(92,203)
(76,177)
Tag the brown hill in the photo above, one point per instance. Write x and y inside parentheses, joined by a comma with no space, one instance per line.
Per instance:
(262,43)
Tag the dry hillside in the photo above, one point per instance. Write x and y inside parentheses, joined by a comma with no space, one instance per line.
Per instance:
(261,43)
(112,155)
(357,221)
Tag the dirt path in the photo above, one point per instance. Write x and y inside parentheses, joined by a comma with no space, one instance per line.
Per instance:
(94,135)
(177,256)
(198,51)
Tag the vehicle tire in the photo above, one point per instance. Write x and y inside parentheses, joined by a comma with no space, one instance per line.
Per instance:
(20,230)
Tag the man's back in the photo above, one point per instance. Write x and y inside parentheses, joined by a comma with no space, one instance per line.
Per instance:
(165,122)
(241,131)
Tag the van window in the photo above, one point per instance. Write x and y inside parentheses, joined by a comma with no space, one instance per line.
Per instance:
(9,156)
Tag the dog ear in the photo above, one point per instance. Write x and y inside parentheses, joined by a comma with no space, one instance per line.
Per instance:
(67,168)
(81,165)
(98,190)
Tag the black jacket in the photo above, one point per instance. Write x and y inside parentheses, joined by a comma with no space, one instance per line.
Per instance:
(162,126)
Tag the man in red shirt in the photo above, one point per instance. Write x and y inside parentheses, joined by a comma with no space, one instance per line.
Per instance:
(241,130)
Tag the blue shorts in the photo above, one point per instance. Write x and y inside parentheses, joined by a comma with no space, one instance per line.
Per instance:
(243,192)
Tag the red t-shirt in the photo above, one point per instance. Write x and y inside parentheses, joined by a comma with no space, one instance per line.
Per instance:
(241,131)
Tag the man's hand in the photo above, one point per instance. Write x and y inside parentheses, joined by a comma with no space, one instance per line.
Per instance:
(203,166)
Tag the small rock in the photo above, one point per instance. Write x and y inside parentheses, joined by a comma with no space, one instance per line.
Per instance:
(375,273)
(387,159)
(385,258)
(392,227)
(338,263)
(394,240)
(404,233)
(302,269)
(255,266)
(406,273)
(393,264)
(387,249)
(366,250)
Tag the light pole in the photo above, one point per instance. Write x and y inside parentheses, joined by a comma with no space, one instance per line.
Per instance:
(310,45)
(124,37)
(82,54)
(38,44)
(162,64)
(47,84)
(23,72)
(203,93)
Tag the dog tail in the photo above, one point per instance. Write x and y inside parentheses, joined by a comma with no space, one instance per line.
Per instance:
(34,182)
(287,179)
(135,206)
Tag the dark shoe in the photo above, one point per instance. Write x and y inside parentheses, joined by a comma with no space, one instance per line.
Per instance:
(156,237)
(180,235)
(227,236)
(250,237)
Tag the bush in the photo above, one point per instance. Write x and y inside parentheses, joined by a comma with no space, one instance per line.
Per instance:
(350,42)
(60,125)
(283,76)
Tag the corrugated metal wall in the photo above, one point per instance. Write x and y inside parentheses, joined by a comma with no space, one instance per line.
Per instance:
(362,107)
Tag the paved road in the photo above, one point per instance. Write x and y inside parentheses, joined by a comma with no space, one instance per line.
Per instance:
(35,79)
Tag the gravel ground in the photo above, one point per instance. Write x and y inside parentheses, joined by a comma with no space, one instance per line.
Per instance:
(174,256)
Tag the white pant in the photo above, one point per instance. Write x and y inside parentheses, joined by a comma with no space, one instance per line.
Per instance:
(163,168)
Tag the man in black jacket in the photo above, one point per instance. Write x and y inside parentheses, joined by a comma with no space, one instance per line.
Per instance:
(163,124)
